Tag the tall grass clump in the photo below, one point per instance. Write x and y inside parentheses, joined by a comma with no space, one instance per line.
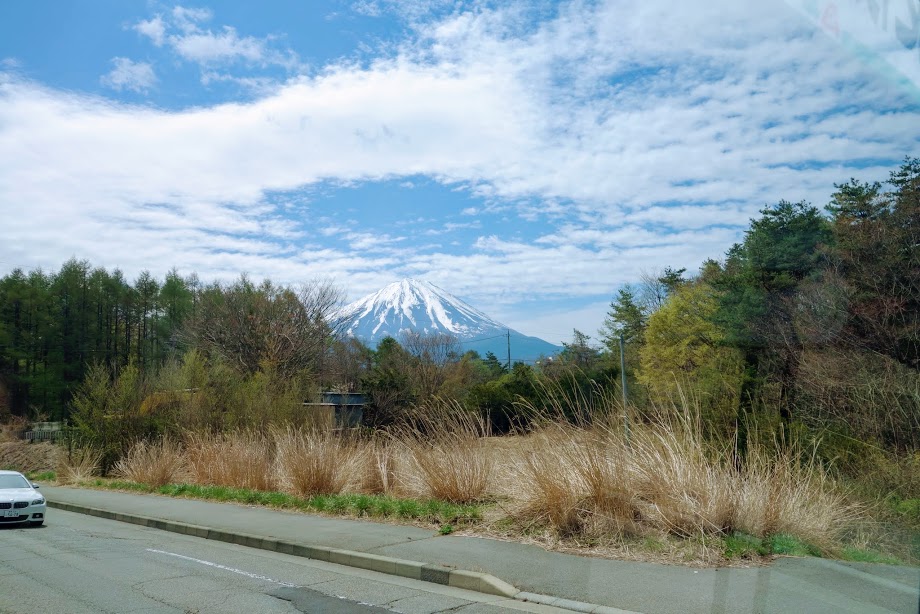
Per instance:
(784,491)
(153,463)
(687,487)
(592,481)
(239,459)
(318,461)
(448,451)
(78,464)
(576,481)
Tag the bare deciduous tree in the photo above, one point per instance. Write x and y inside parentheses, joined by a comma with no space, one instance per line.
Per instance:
(250,326)
(432,354)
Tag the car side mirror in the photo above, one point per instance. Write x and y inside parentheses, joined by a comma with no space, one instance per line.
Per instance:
(35,486)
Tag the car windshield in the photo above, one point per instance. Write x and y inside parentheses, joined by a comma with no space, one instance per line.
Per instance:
(13,481)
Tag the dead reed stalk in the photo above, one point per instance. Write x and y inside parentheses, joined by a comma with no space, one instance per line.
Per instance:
(380,467)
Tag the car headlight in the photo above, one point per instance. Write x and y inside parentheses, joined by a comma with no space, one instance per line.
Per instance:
(39,501)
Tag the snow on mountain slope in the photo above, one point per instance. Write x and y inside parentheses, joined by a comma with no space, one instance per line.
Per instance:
(415,305)
(420,306)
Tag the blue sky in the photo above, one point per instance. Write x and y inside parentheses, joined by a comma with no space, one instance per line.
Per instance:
(529,157)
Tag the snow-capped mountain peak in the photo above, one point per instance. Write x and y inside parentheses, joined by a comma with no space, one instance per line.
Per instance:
(417,305)
(420,306)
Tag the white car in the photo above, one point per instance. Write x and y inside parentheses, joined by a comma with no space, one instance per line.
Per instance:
(20,500)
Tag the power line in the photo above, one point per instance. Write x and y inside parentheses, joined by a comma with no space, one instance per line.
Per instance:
(501,336)
(482,339)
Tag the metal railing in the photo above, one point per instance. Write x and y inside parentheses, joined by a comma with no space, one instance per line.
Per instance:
(45,435)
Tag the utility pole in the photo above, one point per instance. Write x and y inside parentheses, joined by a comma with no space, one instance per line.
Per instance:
(508,337)
(623,381)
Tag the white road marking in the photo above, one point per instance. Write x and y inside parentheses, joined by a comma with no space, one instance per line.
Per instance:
(248,574)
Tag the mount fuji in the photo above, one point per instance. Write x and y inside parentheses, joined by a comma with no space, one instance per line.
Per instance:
(422,307)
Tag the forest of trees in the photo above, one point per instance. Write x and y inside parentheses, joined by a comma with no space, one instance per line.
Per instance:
(811,324)
(54,325)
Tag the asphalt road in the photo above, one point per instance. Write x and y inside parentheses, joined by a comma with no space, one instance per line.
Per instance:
(78,563)
(788,584)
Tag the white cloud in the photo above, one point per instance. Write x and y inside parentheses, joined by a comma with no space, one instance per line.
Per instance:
(256,85)
(644,134)
(208,47)
(368,8)
(188,19)
(452,226)
(371,242)
(183,30)
(694,216)
(154,29)
(129,75)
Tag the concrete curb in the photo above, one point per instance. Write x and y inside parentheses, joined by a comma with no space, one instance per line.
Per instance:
(437,574)
(483,583)
(569,604)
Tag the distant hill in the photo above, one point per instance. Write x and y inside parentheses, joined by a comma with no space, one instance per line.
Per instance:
(420,306)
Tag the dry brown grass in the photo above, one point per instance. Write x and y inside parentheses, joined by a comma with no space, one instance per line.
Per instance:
(779,492)
(11,427)
(30,457)
(156,464)
(686,487)
(584,483)
(546,487)
(318,462)
(574,481)
(593,483)
(449,453)
(240,459)
(380,468)
(77,464)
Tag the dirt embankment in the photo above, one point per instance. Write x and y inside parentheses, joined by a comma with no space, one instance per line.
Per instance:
(29,457)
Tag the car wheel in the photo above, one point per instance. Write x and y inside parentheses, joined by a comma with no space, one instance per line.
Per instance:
(36,523)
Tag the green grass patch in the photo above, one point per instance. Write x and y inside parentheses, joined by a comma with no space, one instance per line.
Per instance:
(869,556)
(791,546)
(361,505)
(44,476)
(908,509)
(744,546)
(384,506)
(408,508)
(320,503)
(121,485)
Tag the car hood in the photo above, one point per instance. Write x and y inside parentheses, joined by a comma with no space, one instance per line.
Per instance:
(18,494)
